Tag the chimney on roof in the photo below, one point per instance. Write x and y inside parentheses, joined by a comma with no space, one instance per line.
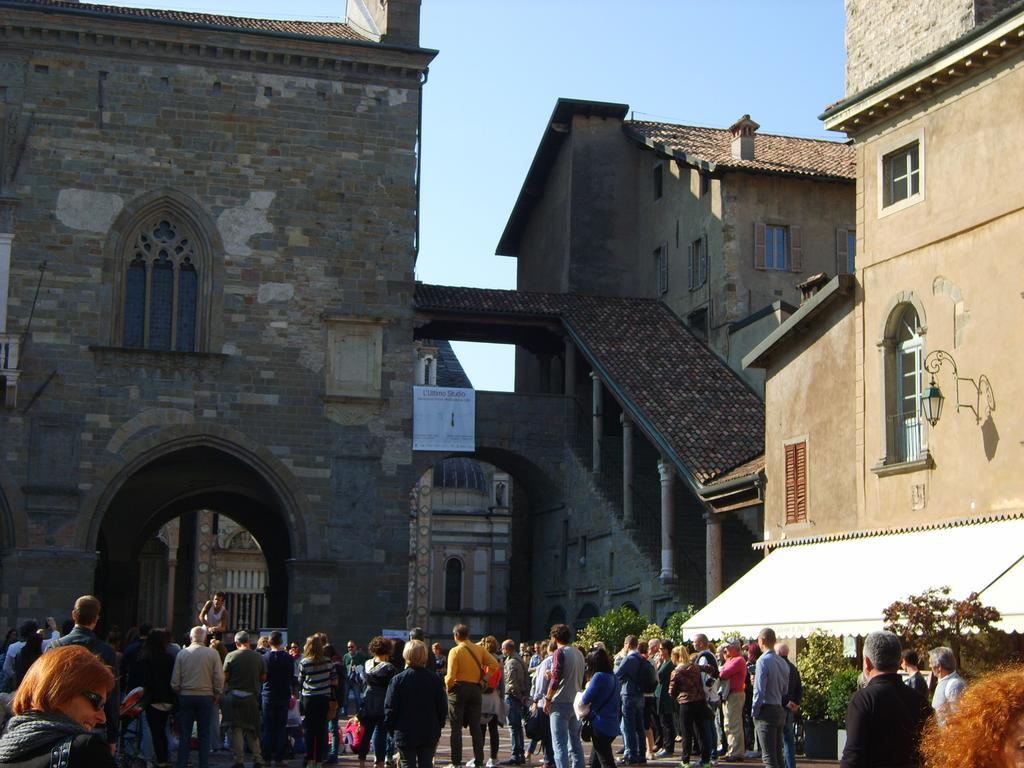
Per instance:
(812,285)
(742,132)
(388,21)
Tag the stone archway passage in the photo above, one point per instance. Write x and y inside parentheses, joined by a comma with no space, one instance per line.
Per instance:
(178,484)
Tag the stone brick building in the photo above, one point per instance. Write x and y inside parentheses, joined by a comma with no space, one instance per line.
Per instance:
(226,212)
(719,224)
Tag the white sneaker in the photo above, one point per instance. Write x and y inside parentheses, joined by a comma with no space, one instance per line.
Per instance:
(490,763)
(471,763)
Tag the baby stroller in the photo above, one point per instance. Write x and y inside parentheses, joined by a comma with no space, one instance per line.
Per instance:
(129,747)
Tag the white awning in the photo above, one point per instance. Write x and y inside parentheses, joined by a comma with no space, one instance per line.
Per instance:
(843,586)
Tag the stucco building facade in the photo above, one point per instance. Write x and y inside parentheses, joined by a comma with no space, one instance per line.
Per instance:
(861,464)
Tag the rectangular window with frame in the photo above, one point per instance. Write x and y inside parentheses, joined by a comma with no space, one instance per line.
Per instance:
(796,482)
(697,263)
(901,174)
(661,264)
(778,247)
(659,181)
(846,251)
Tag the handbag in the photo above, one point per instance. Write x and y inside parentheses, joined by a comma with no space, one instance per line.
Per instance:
(535,723)
(586,726)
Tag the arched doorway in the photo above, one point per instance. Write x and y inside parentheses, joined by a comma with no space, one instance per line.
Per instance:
(193,486)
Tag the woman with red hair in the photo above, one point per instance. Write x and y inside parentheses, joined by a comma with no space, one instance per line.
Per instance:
(57,707)
(987,729)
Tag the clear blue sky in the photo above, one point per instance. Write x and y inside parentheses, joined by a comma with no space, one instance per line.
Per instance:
(503,63)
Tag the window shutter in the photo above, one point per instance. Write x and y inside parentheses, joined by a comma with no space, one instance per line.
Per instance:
(796,250)
(796,483)
(758,246)
(703,260)
(842,251)
(690,265)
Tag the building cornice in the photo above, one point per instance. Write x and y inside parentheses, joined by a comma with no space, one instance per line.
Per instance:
(871,532)
(29,28)
(946,68)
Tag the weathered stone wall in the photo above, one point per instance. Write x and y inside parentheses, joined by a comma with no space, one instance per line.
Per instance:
(297,161)
(883,36)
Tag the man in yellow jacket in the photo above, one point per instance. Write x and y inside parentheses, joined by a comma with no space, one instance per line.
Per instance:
(468,667)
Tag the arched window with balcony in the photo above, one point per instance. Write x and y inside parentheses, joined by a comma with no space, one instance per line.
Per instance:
(903,372)
(453,585)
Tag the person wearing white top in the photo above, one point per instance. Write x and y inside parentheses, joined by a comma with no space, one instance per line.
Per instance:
(950,686)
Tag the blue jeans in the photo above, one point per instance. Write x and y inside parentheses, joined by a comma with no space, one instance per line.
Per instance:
(198,710)
(633,735)
(789,740)
(275,731)
(565,736)
(515,727)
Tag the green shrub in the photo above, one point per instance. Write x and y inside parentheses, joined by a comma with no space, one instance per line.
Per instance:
(818,662)
(611,628)
(674,623)
(840,691)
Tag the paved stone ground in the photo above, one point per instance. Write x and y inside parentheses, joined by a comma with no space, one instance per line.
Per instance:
(222,759)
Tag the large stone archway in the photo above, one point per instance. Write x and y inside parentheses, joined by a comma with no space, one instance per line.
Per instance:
(174,485)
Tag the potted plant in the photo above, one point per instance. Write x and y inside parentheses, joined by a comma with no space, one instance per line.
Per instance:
(840,691)
(817,663)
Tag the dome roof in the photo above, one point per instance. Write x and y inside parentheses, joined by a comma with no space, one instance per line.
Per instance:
(460,472)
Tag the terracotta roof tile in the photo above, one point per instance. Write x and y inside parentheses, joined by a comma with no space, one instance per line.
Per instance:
(777,154)
(701,409)
(334,29)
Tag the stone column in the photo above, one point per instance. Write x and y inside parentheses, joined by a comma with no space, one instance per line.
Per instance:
(570,368)
(627,470)
(713,552)
(596,398)
(6,239)
(668,521)
(544,371)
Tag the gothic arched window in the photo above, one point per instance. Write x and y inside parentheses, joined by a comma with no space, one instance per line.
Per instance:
(453,585)
(161,286)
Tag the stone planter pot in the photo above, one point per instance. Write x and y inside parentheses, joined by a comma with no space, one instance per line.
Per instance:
(820,738)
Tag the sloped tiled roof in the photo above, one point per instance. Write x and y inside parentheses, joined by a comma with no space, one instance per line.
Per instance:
(450,372)
(772,153)
(331,29)
(700,408)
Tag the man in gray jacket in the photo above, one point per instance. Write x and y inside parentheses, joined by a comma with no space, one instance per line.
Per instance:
(517,692)
(198,679)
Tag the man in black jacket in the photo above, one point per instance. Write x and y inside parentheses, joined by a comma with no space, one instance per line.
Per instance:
(791,701)
(86,614)
(884,719)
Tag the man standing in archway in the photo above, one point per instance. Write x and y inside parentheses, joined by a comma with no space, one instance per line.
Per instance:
(244,672)
(86,614)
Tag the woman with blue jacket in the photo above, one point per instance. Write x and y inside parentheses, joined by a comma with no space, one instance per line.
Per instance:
(602,696)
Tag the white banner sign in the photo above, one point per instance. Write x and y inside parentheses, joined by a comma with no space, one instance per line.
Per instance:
(443,419)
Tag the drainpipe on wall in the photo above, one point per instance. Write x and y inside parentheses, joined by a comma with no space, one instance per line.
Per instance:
(419,162)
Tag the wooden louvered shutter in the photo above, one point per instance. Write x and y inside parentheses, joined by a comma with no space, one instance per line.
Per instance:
(842,251)
(690,271)
(759,245)
(796,483)
(702,261)
(796,250)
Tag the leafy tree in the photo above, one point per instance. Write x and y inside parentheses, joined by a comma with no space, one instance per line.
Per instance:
(652,631)
(674,623)
(818,663)
(612,627)
(933,618)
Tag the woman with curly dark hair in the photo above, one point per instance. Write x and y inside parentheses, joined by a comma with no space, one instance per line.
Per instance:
(379,671)
(987,729)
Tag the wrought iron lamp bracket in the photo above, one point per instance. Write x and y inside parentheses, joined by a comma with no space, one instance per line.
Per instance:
(935,360)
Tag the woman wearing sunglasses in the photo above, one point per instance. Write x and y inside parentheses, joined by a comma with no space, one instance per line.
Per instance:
(56,709)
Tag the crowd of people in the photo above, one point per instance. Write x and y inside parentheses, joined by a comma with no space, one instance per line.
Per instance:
(269,700)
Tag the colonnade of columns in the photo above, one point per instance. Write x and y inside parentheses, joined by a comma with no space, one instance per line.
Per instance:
(667,474)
